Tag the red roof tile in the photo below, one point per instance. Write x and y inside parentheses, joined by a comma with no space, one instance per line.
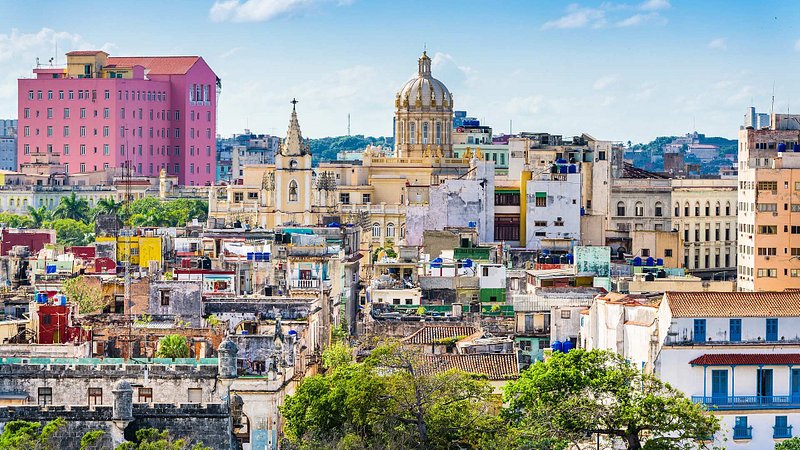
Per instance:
(496,366)
(157,65)
(734,304)
(434,334)
(745,359)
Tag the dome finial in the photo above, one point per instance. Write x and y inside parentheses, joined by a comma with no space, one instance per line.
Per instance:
(424,64)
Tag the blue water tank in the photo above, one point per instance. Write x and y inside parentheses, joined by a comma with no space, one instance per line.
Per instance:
(249,256)
(472,224)
(292,333)
(561,161)
(637,261)
(570,258)
(573,168)
(583,211)
(545,252)
(467,262)
(557,346)
(562,169)
(796,148)
(61,300)
(333,225)
(650,261)
(41,297)
(659,262)
(781,147)
(568,345)
(436,263)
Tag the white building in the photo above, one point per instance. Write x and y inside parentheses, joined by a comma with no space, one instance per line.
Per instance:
(739,354)
(553,219)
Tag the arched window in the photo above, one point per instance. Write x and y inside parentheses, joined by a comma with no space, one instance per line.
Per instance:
(659,210)
(621,209)
(727,208)
(438,133)
(424,132)
(390,230)
(401,132)
(376,230)
(717,209)
(697,209)
(412,132)
(686,209)
(639,209)
(708,209)
(677,209)
(293,191)
(402,231)
(25,202)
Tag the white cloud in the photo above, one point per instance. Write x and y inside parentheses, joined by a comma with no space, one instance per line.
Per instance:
(604,82)
(718,44)
(260,10)
(639,19)
(524,105)
(654,5)
(231,52)
(578,17)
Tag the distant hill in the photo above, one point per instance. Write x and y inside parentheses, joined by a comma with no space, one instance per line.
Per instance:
(325,149)
(650,156)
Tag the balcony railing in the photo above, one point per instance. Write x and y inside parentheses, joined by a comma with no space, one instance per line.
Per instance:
(782,432)
(743,432)
(750,402)
(305,284)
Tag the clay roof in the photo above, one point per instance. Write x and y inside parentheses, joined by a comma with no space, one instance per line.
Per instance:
(743,359)
(157,65)
(495,366)
(85,52)
(734,304)
(432,334)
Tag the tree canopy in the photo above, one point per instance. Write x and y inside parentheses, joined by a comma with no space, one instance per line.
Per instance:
(172,346)
(573,395)
(84,292)
(24,435)
(389,401)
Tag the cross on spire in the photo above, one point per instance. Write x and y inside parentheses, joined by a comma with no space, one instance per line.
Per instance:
(294,103)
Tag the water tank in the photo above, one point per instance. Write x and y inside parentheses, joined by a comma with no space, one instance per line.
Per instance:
(650,261)
(662,273)
(557,346)
(562,169)
(781,147)
(573,168)
(545,252)
(41,297)
(796,148)
(436,263)
(561,161)
(61,300)
(568,345)
(583,211)
(250,256)
(649,277)
(472,224)
(570,258)
(659,262)
(467,262)
(637,261)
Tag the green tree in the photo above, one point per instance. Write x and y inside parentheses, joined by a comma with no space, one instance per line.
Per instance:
(107,205)
(84,292)
(789,444)
(15,220)
(72,207)
(93,440)
(153,439)
(172,346)
(24,435)
(39,216)
(576,394)
(71,231)
(338,354)
(392,400)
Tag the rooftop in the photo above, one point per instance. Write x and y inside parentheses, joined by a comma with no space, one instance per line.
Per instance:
(734,304)
(432,334)
(156,65)
(744,359)
(495,366)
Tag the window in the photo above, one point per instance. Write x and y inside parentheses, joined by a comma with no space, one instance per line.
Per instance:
(164,295)
(645,252)
(95,396)
(668,253)
(767,273)
(344,198)
(699,330)
(293,191)
(621,209)
(767,229)
(639,209)
(389,230)
(658,209)
(412,132)
(566,314)
(767,207)
(767,251)
(45,396)
(767,186)
(195,395)
(66,149)
(772,329)
(238,197)
(424,133)
(541,200)
(376,230)
(781,430)
(708,209)
(697,209)
(365,198)
(506,198)
(250,195)
(145,395)
(83,113)
(740,428)
(735,330)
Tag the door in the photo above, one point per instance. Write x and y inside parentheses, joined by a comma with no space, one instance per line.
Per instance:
(699,330)
(772,330)
(736,330)
(795,386)
(764,385)
(719,386)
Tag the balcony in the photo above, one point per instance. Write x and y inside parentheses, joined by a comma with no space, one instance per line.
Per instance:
(305,284)
(741,402)
(743,432)
(782,432)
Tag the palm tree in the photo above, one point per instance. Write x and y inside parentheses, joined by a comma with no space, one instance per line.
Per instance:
(73,207)
(39,215)
(172,346)
(107,206)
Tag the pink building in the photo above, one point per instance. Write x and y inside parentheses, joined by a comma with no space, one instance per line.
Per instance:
(100,112)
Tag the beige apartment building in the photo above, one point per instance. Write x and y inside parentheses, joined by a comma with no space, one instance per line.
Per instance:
(769,206)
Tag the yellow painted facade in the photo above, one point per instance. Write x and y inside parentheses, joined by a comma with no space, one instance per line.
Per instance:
(141,249)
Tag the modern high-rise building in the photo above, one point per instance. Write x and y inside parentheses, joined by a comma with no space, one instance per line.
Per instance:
(150,113)
(8,144)
(768,206)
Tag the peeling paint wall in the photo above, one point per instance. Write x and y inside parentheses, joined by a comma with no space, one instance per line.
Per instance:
(563,200)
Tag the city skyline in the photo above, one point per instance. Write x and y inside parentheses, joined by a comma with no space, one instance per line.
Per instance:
(547,67)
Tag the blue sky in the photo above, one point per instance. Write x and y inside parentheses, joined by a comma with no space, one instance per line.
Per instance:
(616,70)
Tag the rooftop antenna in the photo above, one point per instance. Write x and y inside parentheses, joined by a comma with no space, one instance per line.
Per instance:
(511,127)
(348,124)
(37,62)
(772,105)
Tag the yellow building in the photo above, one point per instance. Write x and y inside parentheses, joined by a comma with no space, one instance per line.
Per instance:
(141,249)
(374,194)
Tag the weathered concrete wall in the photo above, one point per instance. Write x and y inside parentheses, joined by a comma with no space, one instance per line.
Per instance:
(185,300)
